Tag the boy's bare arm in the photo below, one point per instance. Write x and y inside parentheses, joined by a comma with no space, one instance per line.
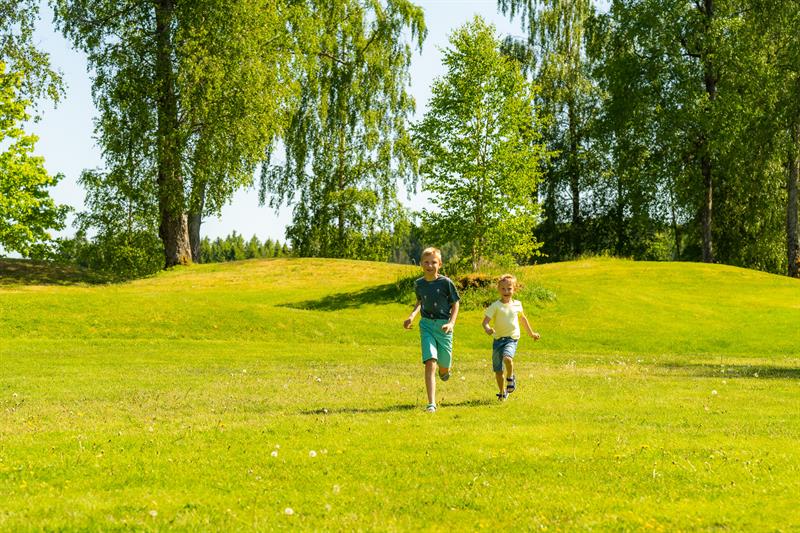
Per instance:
(448,328)
(408,322)
(486,327)
(527,325)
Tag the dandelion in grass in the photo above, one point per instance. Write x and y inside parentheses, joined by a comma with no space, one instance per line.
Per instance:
(153,513)
(714,392)
(336,489)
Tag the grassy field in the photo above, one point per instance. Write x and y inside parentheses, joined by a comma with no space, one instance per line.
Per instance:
(284,394)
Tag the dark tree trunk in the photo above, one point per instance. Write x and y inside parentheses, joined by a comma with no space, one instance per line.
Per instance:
(792,237)
(708,205)
(706,165)
(196,220)
(620,216)
(574,181)
(173,229)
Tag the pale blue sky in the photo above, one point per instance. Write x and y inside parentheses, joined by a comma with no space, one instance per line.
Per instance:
(66,131)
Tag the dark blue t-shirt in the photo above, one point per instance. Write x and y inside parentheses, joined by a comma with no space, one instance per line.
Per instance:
(436,296)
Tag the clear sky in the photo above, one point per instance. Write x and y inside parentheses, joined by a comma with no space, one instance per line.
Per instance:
(66,136)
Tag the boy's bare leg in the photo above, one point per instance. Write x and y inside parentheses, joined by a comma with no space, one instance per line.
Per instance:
(509,364)
(501,381)
(430,380)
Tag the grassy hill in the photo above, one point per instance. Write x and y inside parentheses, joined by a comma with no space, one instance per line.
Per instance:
(285,394)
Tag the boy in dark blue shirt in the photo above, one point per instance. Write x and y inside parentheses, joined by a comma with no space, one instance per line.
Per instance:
(437,298)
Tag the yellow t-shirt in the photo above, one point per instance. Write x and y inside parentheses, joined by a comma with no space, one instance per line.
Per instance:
(506,318)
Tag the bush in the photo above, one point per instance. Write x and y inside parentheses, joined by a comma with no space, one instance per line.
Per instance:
(477,290)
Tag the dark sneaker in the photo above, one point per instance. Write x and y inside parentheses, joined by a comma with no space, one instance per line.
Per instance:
(511,384)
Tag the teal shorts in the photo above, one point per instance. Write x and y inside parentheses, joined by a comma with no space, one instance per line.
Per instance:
(436,344)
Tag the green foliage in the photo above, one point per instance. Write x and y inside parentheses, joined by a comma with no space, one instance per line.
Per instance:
(481,150)
(20,55)
(190,96)
(26,210)
(114,256)
(347,148)
(234,248)
(555,53)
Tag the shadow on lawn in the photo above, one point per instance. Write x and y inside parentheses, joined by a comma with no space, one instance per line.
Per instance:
(25,272)
(379,294)
(392,408)
(733,371)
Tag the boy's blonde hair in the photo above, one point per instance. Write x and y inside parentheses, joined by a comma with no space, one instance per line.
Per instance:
(510,277)
(430,250)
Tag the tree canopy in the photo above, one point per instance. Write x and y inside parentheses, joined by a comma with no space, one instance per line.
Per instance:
(481,150)
(347,146)
(191,95)
(27,212)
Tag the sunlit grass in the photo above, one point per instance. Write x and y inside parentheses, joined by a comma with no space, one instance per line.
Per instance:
(218,397)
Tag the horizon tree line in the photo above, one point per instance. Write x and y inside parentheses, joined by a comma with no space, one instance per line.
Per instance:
(667,131)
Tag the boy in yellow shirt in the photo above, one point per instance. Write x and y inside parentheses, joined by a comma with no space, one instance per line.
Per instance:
(506,314)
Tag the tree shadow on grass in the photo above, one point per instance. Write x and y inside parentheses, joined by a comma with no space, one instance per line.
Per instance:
(732,371)
(379,294)
(394,408)
(25,272)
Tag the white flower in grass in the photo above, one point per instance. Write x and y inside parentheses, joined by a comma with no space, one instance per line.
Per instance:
(277,446)
(312,453)
(714,392)
(274,453)
(153,513)
(289,511)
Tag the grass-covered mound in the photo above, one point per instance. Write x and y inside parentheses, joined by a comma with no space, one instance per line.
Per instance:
(285,394)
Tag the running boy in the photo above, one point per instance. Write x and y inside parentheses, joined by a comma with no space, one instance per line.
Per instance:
(506,313)
(438,298)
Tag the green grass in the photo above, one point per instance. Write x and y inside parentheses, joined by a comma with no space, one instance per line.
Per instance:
(662,396)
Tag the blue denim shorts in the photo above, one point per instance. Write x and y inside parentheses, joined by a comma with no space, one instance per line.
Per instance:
(502,347)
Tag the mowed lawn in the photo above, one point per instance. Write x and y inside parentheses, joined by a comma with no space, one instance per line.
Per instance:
(284,394)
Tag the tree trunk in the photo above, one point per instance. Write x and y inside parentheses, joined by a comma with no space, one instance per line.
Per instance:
(173,229)
(706,165)
(574,181)
(674,219)
(620,216)
(196,219)
(792,237)
(708,204)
